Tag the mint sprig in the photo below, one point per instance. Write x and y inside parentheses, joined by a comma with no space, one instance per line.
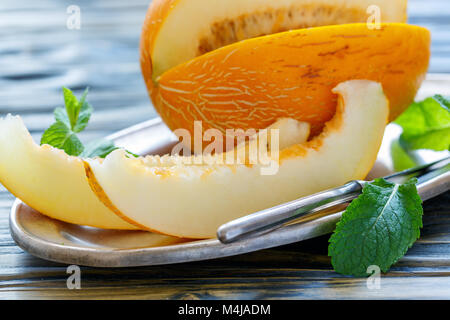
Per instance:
(68,122)
(426,125)
(71,120)
(60,136)
(377,228)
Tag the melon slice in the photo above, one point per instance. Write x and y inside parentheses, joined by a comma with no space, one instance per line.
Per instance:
(180,30)
(49,180)
(234,64)
(168,196)
(291,74)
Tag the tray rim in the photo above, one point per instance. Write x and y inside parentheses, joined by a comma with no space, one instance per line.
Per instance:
(198,250)
(311,226)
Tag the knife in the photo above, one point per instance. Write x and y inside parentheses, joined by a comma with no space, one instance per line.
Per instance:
(434,176)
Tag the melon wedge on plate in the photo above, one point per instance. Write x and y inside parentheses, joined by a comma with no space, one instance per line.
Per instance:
(49,180)
(171,197)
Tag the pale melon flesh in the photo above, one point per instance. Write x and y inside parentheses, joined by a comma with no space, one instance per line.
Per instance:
(192,201)
(49,180)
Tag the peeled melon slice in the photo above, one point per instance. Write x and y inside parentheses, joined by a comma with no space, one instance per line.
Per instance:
(49,180)
(192,201)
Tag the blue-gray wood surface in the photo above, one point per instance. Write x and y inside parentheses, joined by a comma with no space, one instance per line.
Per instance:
(39,55)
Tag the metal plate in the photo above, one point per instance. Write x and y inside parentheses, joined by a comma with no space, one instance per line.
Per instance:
(62,242)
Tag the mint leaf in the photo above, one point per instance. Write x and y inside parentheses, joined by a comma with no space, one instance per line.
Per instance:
(77,113)
(83,117)
(129,153)
(72,106)
(71,120)
(443,102)
(60,136)
(401,158)
(377,228)
(426,125)
(99,148)
(61,115)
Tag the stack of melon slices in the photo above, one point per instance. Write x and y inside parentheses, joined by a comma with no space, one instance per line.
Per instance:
(195,69)
(168,196)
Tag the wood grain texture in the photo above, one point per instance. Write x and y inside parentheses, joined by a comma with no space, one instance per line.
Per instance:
(38,55)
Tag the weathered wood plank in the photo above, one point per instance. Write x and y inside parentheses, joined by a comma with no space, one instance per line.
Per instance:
(298,271)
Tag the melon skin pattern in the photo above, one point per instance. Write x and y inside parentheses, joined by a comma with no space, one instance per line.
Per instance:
(192,201)
(176,31)
(252,83)
(49,180)
(245,63)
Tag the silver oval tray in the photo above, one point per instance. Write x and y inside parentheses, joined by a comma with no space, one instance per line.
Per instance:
(63,242)
(67,243)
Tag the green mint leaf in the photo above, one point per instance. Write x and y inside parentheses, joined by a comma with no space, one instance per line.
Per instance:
(72,106)
(78,113)
(61,116)
(445,103)
(377,228)
(401,158)
(83,97)
(426,125)
(99,148)
(71,120)
(60,136)
(132,154)
(83,117)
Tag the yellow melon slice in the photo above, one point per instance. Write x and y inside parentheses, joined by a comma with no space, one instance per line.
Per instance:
(49,180)
(168,196)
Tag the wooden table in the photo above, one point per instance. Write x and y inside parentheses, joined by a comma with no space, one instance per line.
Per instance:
(38,55)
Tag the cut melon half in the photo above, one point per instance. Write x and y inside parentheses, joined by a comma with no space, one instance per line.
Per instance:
(49,180)
(245,63)
(251,83)
(176,31)
(168,196)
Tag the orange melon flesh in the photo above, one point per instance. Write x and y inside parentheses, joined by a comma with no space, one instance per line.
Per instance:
(178,31)
(169,196)
(251,83)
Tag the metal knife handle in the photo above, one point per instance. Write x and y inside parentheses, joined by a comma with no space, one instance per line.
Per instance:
(434,178)
(272,218)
